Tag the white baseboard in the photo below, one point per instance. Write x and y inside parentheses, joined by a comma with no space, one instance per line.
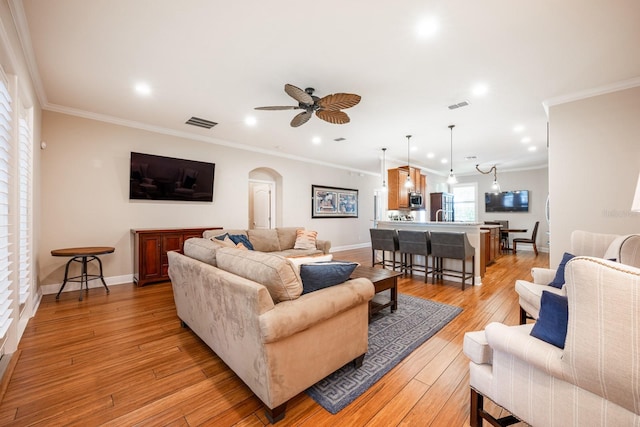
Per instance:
(351,247)
(95,283)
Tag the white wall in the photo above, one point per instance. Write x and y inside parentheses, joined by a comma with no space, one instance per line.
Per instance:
(534,180)
(85,191)
(594,160)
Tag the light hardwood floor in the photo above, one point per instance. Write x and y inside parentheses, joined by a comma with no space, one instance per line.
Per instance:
(123,359)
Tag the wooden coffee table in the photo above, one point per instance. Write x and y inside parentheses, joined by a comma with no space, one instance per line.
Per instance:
(382,279)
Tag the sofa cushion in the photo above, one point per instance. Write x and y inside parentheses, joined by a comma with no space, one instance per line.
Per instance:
(305,239)
(264,240)
(558,280)
(298,261)
(202,249)
(287,236)
(272,271)
(551,325)
(320,275)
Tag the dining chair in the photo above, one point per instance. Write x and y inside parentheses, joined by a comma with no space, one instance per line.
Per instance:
(531,240)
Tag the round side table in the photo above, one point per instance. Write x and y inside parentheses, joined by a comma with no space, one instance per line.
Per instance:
(83,256)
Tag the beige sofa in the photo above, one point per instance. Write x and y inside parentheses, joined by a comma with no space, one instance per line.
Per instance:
(279,241)
(249,311)
(593,381)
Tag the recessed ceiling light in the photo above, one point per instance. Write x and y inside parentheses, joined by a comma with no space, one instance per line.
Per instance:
(316,140)
(250,121)
(414,148)
(427,28)
(444,161)
(470,157)
(480,89)
(532,148)
(430,155)
(525,140)
(142,89)
(518,128)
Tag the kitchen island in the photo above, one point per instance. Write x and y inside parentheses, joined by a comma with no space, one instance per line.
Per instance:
(472,229)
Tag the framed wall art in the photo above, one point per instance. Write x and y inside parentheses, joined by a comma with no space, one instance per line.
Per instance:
(333,202)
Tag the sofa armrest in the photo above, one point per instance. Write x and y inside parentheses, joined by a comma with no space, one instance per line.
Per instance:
(542,276)
(324,246)
(515,340)
(290,317)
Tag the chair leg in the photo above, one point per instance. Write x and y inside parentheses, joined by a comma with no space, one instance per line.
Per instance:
(476,407)
(515,247)
(464,273)
(535,249)
(473,270)
(523,316)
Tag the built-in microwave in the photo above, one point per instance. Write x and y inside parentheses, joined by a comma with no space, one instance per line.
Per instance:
(415,200)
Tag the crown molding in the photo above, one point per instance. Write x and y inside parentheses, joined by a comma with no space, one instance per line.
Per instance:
(186,135)
(588,93)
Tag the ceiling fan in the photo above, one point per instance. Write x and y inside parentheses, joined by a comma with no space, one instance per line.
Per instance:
(327,108)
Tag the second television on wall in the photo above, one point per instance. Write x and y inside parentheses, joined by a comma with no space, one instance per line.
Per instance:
(153,177)
(507,201)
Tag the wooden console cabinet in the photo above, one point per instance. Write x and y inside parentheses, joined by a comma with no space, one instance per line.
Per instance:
(150,249)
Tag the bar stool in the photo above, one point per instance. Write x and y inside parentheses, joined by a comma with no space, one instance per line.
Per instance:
(415,243)
(453,246)
(385,241)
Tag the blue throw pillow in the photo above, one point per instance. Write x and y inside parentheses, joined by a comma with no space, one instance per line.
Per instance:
(241,238)
(320,275)
(558,281)
(551,325)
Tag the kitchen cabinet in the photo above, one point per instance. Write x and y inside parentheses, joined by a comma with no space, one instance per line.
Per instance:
(150,249)
(398,194)
(492,245)
(444,202)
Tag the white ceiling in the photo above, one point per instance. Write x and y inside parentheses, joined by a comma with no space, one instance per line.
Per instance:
(219,59)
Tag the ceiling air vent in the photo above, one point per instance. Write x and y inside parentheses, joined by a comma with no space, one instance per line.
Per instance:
(458,105)
(203,123)
(340,139)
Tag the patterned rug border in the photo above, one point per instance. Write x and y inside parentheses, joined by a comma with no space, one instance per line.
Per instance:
(392,337)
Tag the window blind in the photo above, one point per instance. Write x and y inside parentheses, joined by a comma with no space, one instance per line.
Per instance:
(25,153)
(5,175)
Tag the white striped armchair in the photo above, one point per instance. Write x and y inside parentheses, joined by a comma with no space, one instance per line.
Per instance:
(621,248)
(594,380)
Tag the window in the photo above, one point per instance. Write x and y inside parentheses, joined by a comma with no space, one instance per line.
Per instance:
(5,177)
(465,203)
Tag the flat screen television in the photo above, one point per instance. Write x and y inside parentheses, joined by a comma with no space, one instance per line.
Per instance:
(507,201)
(166,178)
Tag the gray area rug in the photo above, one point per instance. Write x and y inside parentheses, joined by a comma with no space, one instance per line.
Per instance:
(392,337)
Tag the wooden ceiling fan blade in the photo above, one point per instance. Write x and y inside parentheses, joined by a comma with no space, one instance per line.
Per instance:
(300,119)
(333,116)
(339,101)
(298,94)
(279,107)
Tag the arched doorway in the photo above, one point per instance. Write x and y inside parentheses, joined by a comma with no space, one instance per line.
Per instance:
(264,191)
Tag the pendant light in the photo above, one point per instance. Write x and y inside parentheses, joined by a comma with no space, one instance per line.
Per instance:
(495,186)
(384,170)
(408,184)
(452,178)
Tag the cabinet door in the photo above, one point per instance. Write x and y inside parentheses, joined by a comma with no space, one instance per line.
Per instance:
(403,192)
(151,255)
(170,242)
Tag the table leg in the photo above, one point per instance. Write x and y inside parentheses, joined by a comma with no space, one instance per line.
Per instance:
(66,274)
(101,276)
(394,295)
(83,277)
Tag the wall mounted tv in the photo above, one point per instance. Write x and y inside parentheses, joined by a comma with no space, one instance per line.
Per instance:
(166,178)
(507,201)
